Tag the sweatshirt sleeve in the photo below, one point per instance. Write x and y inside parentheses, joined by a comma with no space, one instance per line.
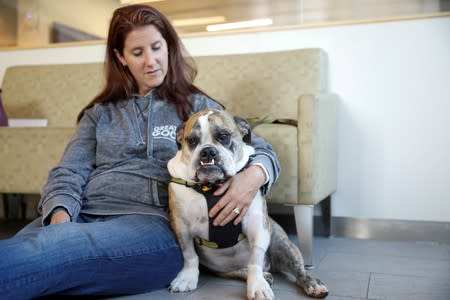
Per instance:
(66,181)
(264,156)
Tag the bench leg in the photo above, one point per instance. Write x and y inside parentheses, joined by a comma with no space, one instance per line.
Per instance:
(304,224)
(14,207)
(325,207)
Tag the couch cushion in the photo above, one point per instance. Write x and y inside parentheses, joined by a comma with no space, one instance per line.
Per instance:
(27,156)
(53,92)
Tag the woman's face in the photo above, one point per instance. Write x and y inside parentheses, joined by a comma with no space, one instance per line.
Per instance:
(145,54)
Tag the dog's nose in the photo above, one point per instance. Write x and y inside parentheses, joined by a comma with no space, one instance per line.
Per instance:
(207,154)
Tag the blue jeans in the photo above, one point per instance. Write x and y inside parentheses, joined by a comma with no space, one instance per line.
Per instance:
(112,255)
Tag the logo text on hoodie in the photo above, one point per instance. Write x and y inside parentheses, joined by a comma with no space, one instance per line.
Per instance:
(165,132)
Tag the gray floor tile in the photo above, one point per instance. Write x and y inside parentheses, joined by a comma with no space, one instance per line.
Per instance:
(331,297)
(386,264)
(218,292)
(383,286)
(226,282)
(289,295)
(164,294)
(345,284)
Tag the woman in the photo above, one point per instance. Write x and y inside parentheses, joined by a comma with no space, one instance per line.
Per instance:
(104,227)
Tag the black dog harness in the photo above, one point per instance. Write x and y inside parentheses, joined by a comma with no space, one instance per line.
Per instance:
(218,236)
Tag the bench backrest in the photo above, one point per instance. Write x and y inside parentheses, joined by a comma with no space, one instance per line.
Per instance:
(249,85)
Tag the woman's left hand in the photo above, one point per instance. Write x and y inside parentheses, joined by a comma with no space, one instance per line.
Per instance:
(240,192)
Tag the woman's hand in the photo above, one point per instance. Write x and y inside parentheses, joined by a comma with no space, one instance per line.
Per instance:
(60,216)
(240,192)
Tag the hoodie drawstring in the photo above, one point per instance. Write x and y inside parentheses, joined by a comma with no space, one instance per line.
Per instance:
(140,139)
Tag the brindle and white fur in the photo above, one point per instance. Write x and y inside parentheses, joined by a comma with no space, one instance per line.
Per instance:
(213,147)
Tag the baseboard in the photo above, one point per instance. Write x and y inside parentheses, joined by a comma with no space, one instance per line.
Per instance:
(398,230)
(377,229)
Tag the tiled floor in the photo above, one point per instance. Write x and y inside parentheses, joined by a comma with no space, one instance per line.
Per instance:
(353,269)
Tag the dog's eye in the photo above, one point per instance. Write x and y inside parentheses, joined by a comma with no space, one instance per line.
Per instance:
(223,138)
(192,141)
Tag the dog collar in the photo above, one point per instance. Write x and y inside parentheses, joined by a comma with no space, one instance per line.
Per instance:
(203,187)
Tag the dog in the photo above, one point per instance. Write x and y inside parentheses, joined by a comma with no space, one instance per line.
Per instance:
(212,147)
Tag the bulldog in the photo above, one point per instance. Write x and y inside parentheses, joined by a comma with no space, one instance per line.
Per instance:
(214,146)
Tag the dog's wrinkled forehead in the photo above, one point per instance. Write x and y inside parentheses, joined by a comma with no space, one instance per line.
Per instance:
(208,120)
(213,126)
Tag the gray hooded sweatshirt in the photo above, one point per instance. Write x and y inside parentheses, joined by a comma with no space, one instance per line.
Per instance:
(116,162)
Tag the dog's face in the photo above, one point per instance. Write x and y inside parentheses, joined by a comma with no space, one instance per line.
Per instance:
(213,146)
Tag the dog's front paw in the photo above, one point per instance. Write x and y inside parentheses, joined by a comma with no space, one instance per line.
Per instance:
(185,281)
(259,289)
(314,287)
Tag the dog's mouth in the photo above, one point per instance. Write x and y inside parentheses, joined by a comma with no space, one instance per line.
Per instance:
(210,172)
(206,164)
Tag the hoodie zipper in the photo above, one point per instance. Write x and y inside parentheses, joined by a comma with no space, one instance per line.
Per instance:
(137,128)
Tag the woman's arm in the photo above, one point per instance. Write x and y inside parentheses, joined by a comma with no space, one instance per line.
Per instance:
(64,187)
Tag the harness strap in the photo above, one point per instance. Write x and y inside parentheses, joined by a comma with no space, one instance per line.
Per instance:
(219,236)
(210,244)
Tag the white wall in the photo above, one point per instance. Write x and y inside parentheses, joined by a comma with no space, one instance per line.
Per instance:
(394,83)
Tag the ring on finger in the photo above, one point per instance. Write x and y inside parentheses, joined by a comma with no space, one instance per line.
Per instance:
(237,210)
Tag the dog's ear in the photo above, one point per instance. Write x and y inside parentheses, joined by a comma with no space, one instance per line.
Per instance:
(244,128)
(179,132)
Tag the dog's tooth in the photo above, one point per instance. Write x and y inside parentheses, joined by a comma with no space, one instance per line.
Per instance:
(210,163)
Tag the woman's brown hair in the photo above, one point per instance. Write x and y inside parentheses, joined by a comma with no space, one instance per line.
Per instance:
(120,84)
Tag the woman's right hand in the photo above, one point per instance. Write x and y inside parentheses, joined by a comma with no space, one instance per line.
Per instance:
(60,216)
